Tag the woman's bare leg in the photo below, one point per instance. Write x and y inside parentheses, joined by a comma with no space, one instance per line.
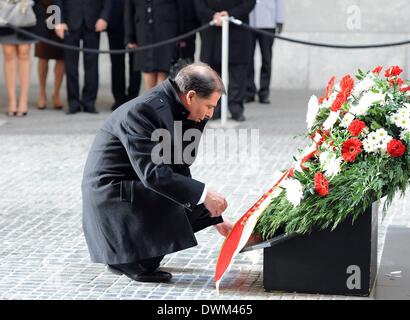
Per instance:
(161,77)
(24,71)
(150,80)
(10,75)
(42,69)
(58,80)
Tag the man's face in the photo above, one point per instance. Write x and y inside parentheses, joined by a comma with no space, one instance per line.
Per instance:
(201,108)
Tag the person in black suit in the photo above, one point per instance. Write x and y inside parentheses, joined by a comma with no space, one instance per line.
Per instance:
(239,46)
(137,207)
(116,36)
(82,19)
(148,22)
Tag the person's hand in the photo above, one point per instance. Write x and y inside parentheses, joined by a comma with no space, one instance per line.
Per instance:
(132,45)
(215,203)
(60,29)
(100,25)
(182,44)
(279,28)
(218,17)
(224,228)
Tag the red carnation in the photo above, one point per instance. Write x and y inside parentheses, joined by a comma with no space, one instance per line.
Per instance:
(321,184)
(350,149)
(356,127)
(377,69)
(405,89)
(399,82)
(393,71)
(329,87)
(396,148)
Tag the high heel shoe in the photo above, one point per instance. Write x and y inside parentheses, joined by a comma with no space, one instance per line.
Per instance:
(11,113)
(21,114)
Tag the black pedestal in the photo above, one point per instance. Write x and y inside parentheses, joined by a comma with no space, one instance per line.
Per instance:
(343,261)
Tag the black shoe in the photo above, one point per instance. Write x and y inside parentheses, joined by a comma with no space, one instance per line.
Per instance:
(72,112)
(92,111)
(140,274)
(249,99)
(240,118)
(264,100)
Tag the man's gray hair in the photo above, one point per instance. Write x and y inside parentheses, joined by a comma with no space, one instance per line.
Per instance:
(200,78)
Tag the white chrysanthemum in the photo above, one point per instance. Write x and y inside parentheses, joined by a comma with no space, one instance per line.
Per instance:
(364,85)
(377,141)
(331,120)
(332,167)
(330,163)
(313,109)
(294,191)
(328,103)
(347,120)
(365,102)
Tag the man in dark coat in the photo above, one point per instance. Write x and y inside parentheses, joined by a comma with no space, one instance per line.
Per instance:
(239,46)
(138,207)
(116,36)
(82,19)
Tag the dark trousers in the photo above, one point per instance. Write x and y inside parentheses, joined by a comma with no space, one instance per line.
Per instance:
(91,39)
(198,218)
(118,78)
(236,89)
(266,47)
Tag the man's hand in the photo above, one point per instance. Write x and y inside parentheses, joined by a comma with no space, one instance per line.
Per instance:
(215,203)
(60,29)
(218,17)
(132,45)
(100,25)
(279,28)
(224,228)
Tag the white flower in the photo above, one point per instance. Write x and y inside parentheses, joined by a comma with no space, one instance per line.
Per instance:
(364,85)
(331,120)
(313,109)
(328,103)
(365,102)
(330,163)
(294,192)
(332,167)
(347,120)
(377,141)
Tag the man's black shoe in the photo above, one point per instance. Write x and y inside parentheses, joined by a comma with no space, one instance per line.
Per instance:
(140,274)
(249,99)
(240,118)
(72,111)
(92,111)
(264,100)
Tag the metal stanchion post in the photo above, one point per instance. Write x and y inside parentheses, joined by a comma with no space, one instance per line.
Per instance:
(225,69)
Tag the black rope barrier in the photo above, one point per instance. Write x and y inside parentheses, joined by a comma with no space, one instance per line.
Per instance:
(117,51)
(323,45)
(199,29)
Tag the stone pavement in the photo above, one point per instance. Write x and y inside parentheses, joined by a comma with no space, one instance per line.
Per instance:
(43,254)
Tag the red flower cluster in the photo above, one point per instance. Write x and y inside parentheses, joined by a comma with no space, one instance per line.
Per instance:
(346,86)
(350,149)
(399,82)
(405,89)
(396,148)
(377,69)
(329,89)
(356,127)
(321,184)
(393,71)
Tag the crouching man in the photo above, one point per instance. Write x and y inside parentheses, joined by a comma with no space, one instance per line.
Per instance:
(138,206)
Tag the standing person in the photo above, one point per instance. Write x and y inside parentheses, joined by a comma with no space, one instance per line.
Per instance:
(136,207)
(17,62)
(82,20)
(268,15)
(239,46)
(116,37)
(148,22)
(46,52)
